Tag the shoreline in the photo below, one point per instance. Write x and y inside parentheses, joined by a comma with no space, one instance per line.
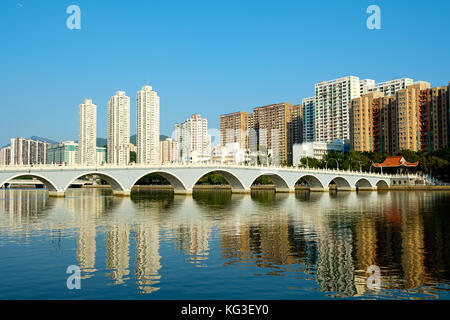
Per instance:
(227,187)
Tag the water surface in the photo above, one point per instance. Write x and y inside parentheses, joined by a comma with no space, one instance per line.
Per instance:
(215,245)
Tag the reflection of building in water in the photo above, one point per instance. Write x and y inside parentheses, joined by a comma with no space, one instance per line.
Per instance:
(147,257)
(365,249)
(192,238)
(412,244)
(21,206)
(117,251)
(335,262)
(268,243)
(86,210)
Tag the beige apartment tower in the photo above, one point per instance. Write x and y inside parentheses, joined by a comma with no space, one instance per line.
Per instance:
(87,133)
(147,137)
(272,126)
(119,129)
(234,128)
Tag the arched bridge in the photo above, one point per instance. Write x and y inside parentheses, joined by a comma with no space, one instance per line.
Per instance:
(183,178)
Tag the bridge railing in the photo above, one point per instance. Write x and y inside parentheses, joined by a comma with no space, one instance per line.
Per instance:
(31,168)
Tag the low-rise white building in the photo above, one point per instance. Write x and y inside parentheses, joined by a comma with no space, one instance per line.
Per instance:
(315,150)
(231,153)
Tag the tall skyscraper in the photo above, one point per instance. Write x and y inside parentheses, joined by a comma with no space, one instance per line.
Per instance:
(119,129)
(87,133)
(147,138)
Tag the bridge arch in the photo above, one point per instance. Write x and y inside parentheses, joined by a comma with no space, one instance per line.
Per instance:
(174,181)
(341,183)
(232,179)
(47,182)
(363,183)
(279,182)
(382,184)
(113,182)
(312,181)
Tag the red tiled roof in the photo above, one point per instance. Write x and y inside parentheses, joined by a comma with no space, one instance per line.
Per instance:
(396,161)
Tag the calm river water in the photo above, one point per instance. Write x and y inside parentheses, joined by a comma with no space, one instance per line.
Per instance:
(215,245)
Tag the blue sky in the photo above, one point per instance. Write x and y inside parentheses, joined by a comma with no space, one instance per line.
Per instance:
(209,57)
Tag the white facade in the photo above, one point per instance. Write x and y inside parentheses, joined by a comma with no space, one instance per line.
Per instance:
(315,150)
(231,153)
(147,137)
(119,129)
(28,152)
(387,87)
(194,140)
(332,102)
(87,133)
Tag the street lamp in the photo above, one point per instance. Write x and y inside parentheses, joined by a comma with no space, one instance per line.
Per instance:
(350,164)
(337,163)
(307,162)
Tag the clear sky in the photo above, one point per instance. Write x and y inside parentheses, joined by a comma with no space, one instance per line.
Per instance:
(209,57)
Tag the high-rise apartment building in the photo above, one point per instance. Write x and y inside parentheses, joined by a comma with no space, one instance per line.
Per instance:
(333,99)
(28,152)
(234,128)
(440,117)
(169,151)
(408,106)
(87,133)
(252,133)
(389,87)
(332,103)
(147,137)
(194,140)
(309,120)
(119,129)
(5,156)
(365,113)
(415,118)
(273,125)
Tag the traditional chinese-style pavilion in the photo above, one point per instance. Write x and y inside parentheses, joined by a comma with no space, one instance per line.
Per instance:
(396,164)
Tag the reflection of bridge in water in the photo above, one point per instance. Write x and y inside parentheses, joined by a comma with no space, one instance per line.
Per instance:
(184,177)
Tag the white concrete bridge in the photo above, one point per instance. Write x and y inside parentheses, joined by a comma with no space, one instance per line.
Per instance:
(57,179)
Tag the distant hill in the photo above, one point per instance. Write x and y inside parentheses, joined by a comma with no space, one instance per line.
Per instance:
(133,138)
(52,142)
(101,142)
(36,138)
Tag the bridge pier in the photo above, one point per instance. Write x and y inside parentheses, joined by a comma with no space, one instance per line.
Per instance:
(124,193)
(285,190)
(241,191)
(325,189)
(367,189)
(57,194)
(182,192)
(346,189)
